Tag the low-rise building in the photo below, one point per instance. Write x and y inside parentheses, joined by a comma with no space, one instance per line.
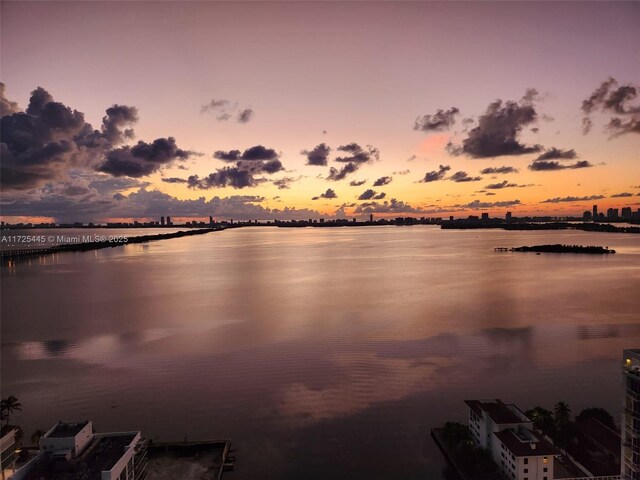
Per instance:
(8,452)
(72,451)
(507,433)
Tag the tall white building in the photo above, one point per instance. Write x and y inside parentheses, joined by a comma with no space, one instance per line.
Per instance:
(507,433)
(71,450)
(630,461)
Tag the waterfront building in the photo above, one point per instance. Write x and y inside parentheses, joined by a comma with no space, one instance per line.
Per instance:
(626,213)
(612,213)
(8,452)
(168,221)
(595,213)
(630,461)
(73,450)
(162,221)
(485,216)
(507,433)
(508,216)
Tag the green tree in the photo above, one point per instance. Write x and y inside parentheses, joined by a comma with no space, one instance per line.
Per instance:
(562,414)
(36,436)
(456,435)
(542,419)
(8,406)
(599,414)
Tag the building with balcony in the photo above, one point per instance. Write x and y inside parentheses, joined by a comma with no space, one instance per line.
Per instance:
(507,433)
(630,461)
(72,451)
(8,452)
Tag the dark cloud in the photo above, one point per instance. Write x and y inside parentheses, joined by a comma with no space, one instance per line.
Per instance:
(253,161)
(573,199)
(245,115)
(107,185)
(618,127)
(335,174)
(608,98)
(49,139)
(174,180)
(622,195)
(436,174)
(328,194)
(357,154)
(501,170)
(40,145)
(318,155)
(557,154)
(463,177)
(382,181)
(547,166)
(441,120)
(498,130)
(503,184)
(256,153)
(7,107)
(367,195)
(402,172)
(143,158)
(357,183)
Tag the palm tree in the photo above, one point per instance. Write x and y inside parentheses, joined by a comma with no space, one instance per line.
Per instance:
(9,405)
(542,419)
(36,436)
(562,413)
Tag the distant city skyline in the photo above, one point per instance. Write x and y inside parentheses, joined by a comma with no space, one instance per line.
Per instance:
(121,111)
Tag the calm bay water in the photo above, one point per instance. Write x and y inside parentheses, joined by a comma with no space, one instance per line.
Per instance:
(321,353)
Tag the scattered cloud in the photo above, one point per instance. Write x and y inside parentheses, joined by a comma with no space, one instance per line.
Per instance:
(557,154)
(439,121)
(226,110)
(318,155)
(285,182)
(436,174)
(463,177)
(622,195)
(402,172)
(370,194)
(477,204)
(500,170)
(357,183)
(573,199)
(382,181)
(329,194)
(174,180)
(609,97)
(547,166)
(498,130)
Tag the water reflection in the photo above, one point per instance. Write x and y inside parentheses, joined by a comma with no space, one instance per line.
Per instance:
(320,353)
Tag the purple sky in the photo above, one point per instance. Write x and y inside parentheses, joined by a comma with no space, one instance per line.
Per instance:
(296,75)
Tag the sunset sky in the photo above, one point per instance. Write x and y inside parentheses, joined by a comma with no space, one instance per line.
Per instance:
(118,110)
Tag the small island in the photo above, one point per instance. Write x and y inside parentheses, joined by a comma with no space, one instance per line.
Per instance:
(558,248)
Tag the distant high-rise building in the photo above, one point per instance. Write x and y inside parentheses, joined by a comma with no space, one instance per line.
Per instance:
(485,216)
(631,415)
(595,212)
(626,213)
(508,216)
(210,220)
(371,217)
(168,221)
(612,213)
(162,221)
(451,218)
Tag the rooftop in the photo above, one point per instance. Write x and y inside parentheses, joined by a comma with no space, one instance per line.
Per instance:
(67,429)
(600,434)
(498,411)
(521,448)
(101,455)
